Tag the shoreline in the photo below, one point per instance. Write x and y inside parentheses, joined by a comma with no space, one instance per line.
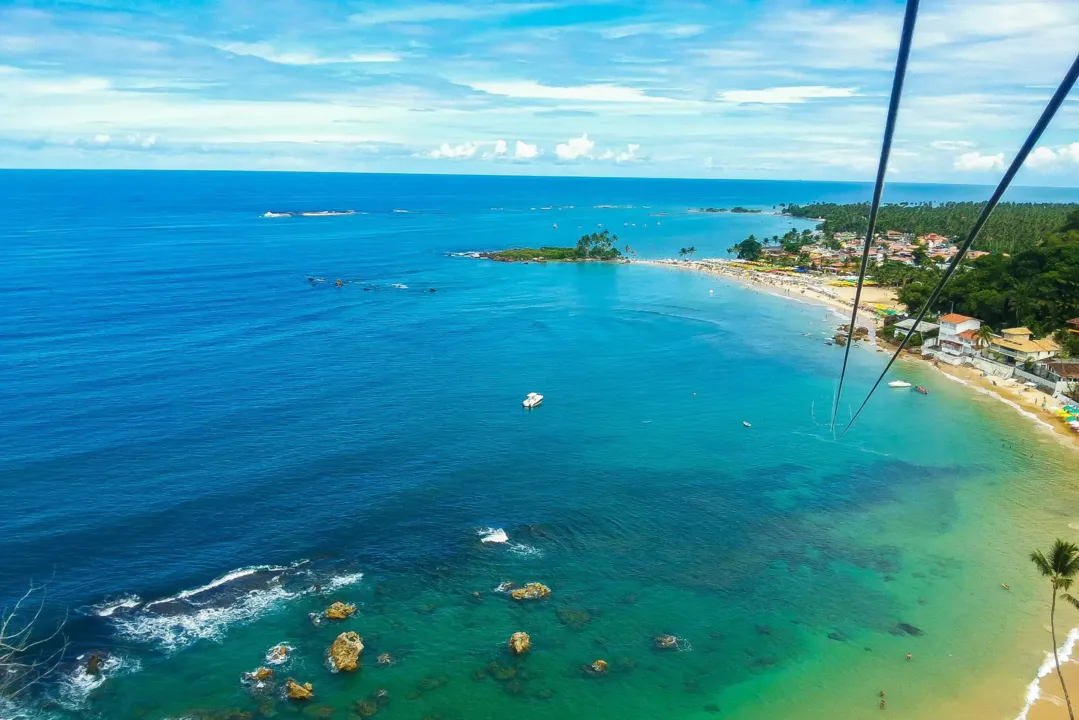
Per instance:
(1042,699)
(1028,402)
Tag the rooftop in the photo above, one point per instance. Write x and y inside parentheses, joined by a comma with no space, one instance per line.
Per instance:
(1028,346)
(1016,331)
(922,326)
(956,318)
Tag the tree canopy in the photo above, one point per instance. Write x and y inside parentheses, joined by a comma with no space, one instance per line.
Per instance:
(1012,227)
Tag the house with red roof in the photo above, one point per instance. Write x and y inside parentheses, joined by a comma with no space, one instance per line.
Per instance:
(1073,325)
(958,338)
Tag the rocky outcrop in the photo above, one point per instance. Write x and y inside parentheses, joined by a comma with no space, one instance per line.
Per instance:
(531,591)
(345,651)
(665,642)
(296,691)
(599,667)
(263,673)
(339,611)
(93,665)
(278,654)
(520,643)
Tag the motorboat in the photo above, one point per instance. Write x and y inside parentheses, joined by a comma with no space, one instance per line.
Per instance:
(533,400)
(899,384)
(746,424)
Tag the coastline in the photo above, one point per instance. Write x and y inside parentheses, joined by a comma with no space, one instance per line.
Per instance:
(1028,402)
(1043,698)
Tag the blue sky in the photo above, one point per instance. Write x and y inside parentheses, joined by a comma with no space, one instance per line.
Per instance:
(723,89)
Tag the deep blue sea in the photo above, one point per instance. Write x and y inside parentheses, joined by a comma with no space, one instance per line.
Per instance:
(186,417)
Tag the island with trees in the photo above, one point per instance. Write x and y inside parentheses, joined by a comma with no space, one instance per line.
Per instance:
(595,246)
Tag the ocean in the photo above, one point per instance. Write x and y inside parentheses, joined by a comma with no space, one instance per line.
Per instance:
(206,439)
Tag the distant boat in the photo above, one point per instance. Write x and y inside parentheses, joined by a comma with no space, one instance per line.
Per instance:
(746,424)
(921,389)
(899,384)
(533,400)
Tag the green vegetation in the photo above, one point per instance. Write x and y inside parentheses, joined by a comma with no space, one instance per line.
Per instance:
(597,246)
(740,209)
(1037,287)
(710,209)
(687,252)
(1012,227)
(748,249)
(1060,568)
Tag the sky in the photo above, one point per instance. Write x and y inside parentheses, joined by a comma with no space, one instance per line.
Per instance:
(785,89)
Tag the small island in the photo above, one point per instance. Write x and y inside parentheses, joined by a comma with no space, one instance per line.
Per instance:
(709,210)
(597,246)
(740,209)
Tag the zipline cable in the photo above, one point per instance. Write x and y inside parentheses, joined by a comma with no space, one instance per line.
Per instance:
(878,189)
(1035,134)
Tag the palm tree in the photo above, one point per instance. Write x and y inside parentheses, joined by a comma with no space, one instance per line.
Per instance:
(985,336)
(683,252)
(690,250)
(1060,567)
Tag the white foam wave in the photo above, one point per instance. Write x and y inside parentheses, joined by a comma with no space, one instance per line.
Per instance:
(400,211)
(340,581)
(173,632)
(1016,406)
(504,587)
(272,214)
(1034,690)
(226,578)
(525,550)
(492,535)
(75,688)
(399,286)
(108,607)
(275,657)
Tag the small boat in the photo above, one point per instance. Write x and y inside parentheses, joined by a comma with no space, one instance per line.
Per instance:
(899,384)
(746,424)
(533,400)
(922,390)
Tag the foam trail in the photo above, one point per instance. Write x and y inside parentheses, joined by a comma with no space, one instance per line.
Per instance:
(75,689)
(227,578)
(341,581)
(492,535)
(124,602)
(1034,690)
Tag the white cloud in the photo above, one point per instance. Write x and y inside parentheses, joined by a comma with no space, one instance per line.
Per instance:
(786,95)
(627,155)
(1041,157)
(575,148)
(595,93)
(1071,152)
(303,57)
(524,151)
(951,144)
(454,152)
(434,12)
(102,139)
(976,161)
(500,147)
(670,31)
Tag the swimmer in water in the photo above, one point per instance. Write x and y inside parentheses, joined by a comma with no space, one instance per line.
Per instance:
(881,704)
(908,656)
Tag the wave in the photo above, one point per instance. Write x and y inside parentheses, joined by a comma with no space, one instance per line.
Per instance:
(400,211)
(239,596)
(307,213)
(110,605)
(524,550)
(75,687)
(1034,690)
(613,207)
(1016,406)
(492,535)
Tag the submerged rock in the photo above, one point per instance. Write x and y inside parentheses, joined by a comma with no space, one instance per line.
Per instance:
(599,666)
(575,619)
(906,629)
(322,712)
(433,682)
(345,651)
(365,708)
(665,642)
(531,591)
(385,659)
(339,611)
(296,691)
(520,643)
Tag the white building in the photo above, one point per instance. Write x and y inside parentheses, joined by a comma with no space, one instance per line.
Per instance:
(958,338)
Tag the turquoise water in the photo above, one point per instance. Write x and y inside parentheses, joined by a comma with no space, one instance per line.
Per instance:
(183,405)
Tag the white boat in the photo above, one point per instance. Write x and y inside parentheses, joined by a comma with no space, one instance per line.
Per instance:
(899,384)
(746,424)
(533,400)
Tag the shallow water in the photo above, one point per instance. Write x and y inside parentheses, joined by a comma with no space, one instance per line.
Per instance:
(185,411)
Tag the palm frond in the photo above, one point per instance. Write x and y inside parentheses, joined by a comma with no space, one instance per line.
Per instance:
(1041,563)
(1070,599)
